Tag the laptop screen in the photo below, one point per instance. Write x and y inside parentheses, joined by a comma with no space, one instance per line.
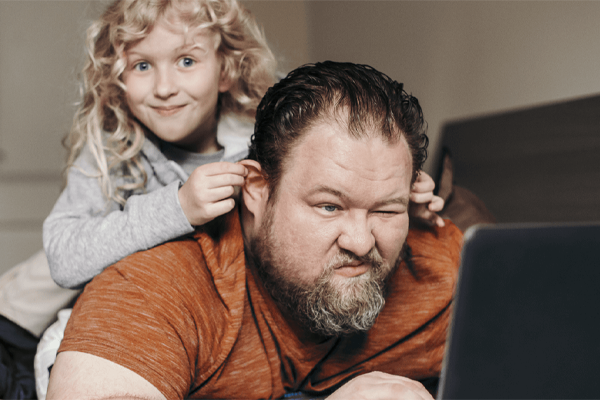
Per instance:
(526,319)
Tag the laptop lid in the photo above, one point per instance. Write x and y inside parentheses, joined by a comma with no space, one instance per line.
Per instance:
(526,319)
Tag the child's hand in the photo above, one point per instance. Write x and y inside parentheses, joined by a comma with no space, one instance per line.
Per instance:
(208,191)
(423,203)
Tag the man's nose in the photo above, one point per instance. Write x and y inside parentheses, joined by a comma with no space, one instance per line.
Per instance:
(164,83)
(356,235)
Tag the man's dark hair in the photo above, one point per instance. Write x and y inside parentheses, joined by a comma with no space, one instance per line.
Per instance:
(369,99)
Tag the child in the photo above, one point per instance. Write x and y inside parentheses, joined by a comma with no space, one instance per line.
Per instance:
(171,88)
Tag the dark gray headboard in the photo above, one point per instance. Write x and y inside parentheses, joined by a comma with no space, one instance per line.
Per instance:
(539,164)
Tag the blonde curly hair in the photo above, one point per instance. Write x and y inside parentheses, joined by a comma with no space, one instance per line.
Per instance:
(103,120)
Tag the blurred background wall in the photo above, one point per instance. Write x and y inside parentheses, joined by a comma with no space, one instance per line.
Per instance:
(461,59)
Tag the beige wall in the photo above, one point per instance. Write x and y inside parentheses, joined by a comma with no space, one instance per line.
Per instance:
(41,47)
(285,25)
(459,58)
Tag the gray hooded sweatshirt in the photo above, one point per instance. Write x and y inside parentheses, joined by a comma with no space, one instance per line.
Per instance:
(84,233)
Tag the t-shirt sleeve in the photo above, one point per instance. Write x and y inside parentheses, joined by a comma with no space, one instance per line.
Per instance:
(139,320)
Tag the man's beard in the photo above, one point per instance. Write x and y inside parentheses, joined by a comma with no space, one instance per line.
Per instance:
(327,308)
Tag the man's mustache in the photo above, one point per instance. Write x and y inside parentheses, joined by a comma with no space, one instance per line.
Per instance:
(345,257)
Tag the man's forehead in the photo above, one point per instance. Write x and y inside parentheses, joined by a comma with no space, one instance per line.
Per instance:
(328,152)
(334,127)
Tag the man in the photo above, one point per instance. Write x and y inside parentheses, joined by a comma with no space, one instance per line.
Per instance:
(314,285)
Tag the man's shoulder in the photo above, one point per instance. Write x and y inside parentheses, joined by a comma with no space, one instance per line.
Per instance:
(183,255)
(436,250)
(433,240)
(165,277)
(212,250)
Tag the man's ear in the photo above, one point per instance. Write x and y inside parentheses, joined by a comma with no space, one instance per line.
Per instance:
(255,192)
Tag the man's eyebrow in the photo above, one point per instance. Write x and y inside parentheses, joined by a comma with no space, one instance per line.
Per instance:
(327,189)
(403,201)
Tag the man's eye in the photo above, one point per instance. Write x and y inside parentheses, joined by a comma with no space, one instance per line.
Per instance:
(329,208)
(186,62)
(387,213)
(142,66)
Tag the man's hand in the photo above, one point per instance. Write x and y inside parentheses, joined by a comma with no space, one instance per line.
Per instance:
(208,191)
(423,203)
(380,386)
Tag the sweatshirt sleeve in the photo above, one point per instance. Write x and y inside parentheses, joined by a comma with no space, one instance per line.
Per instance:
(84,233)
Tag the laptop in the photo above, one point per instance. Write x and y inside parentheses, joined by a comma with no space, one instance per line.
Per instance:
(526,318)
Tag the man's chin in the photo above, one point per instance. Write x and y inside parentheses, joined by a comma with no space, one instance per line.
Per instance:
(351,286)
(340,306)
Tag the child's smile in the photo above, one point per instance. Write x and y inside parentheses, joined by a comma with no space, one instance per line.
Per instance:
(173,85)
(167,111)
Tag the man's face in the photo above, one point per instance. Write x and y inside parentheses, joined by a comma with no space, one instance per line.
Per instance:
(335,231)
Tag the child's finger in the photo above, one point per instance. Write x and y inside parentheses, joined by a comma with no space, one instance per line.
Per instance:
(223,167)
(421,198)
(213,210)
(433,218)
(423,183)
(422,213)
(222,180)
(439,221)
(436,204)
(214,195)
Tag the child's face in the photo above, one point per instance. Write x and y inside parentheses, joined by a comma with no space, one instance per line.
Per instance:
(173,87)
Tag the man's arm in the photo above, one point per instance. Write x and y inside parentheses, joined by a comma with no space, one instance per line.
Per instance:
(83,376)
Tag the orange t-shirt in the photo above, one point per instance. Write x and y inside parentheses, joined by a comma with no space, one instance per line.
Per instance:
(190,318)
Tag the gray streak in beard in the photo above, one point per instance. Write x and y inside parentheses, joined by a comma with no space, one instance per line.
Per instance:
(353,305)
